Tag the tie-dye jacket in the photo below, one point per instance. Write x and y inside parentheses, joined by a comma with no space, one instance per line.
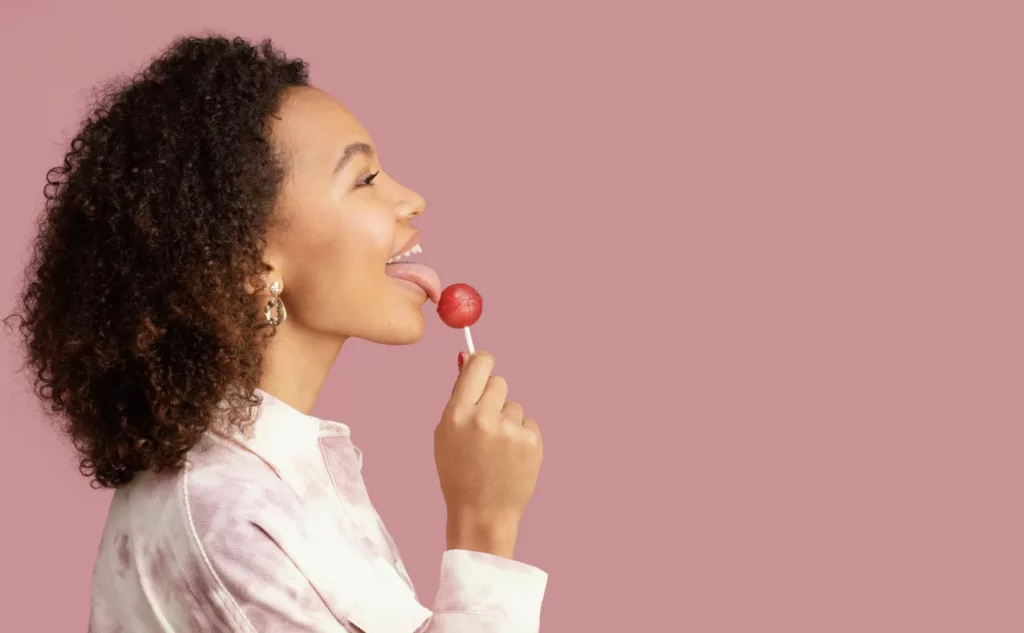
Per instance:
(273,532)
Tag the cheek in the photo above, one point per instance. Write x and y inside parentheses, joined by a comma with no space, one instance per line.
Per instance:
(366,235)
(339,245)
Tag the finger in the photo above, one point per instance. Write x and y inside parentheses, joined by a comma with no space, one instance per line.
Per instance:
(512,411)
(462,359)
(494,396)
(471,382)
(534,431)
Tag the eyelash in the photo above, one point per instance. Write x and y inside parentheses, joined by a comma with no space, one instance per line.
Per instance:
(368,181)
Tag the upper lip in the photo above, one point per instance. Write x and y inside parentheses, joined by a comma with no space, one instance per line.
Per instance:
(413,241)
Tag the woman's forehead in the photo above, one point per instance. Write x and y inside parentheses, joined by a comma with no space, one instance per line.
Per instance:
(312,125)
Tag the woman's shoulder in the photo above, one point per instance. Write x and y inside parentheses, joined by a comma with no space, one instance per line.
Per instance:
(225,484)
(212,501)
(221,484)
(169,532)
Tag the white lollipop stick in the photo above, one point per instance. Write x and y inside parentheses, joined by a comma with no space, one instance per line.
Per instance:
(469,341)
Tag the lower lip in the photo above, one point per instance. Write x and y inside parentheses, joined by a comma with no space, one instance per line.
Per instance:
(414,287)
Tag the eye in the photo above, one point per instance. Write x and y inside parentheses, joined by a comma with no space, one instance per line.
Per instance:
(366,182)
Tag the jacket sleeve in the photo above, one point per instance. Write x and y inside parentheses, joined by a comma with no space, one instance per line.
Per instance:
(267,592)
(484,593)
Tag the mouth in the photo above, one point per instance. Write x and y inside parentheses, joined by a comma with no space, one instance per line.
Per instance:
(414,250)
(410,248)
(415,275)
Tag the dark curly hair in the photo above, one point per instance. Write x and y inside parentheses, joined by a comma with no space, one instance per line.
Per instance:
(140,330)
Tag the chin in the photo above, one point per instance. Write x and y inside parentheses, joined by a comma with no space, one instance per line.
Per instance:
(405,330)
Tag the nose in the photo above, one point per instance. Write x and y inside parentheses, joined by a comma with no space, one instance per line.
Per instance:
(410,204)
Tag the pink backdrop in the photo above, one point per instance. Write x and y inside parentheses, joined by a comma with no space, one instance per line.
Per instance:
(755,267)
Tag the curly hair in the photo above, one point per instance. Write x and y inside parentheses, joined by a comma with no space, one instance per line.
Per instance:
(139,328)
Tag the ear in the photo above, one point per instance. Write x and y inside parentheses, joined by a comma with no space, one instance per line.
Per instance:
(261,284)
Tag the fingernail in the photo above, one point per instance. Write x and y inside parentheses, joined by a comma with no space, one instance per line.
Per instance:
(461,359)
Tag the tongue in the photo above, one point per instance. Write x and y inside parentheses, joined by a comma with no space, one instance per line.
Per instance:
(423,276)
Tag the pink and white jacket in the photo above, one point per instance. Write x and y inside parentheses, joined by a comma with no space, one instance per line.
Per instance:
(273,532)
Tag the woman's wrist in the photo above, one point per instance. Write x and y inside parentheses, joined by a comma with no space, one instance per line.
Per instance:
(487,534)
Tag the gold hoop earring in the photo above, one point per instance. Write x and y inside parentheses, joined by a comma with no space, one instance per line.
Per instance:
(275,311)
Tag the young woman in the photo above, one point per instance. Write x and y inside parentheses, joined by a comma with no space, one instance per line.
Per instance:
(215,233)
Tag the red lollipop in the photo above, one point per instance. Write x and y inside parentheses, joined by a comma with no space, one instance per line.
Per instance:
(460,306)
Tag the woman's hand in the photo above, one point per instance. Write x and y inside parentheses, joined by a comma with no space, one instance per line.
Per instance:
(488,455)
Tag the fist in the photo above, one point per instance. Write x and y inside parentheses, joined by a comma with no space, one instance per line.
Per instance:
(488,456)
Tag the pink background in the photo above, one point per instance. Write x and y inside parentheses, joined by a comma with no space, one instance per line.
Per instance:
(755,267)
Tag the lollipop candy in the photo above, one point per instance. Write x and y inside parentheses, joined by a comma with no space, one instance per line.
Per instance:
(460,306)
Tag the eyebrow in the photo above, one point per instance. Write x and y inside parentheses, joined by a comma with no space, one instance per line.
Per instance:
(351,151)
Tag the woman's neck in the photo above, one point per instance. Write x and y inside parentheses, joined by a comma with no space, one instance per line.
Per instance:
(296,365)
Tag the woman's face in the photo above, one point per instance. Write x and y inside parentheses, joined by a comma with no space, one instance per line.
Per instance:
(340,219)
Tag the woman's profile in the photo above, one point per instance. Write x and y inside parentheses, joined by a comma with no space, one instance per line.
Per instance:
(216,231)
